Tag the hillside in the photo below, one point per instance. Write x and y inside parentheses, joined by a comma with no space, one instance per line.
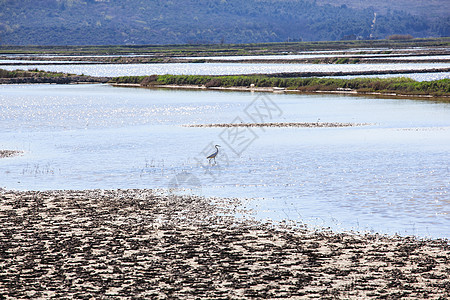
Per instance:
(81,22)
(431,9)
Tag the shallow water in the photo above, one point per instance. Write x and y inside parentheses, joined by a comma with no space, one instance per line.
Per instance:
(220,68)
(415,76)
(303,56)
(391,176)
(281,57)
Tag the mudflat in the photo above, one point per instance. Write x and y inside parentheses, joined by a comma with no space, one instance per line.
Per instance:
(291,124)
(9,153)
(147,244)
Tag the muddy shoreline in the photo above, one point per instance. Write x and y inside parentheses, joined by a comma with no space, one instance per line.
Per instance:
(306,125)
(278,90)
(9,153)
(145,244)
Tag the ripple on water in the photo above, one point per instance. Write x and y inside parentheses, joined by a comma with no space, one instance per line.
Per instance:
(222,68)
(389,176)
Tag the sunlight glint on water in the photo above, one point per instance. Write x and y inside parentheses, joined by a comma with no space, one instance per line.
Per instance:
(226,68)
(391,176)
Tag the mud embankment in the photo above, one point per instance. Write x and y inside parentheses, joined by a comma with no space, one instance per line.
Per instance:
(56,80)
(9,153)
(305,125)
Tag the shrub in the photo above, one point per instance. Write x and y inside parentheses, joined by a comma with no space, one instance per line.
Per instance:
(213,83)
(149,80)
(397,37)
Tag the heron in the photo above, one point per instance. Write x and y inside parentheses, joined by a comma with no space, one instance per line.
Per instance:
(213,156)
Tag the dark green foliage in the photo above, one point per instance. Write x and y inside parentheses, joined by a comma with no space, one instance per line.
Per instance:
(342,60)
(183,79)
(129,79)
(137,22)
(400,85)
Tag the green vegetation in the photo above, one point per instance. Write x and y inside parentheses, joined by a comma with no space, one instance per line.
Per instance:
(29,73)
(129,79)
(138,22)
(398,85)
(346,60)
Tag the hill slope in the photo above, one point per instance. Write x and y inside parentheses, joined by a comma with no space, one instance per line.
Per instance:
(78,22)
(431,9)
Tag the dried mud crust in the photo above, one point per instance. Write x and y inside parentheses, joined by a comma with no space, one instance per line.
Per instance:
(142,244)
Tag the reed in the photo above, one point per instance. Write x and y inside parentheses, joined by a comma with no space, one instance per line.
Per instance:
(399,85)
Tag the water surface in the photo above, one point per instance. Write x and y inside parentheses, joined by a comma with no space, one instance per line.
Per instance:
(415,76)
(391,176)
(221,68)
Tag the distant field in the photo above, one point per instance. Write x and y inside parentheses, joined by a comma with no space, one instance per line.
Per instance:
(428,8)
(225,49)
